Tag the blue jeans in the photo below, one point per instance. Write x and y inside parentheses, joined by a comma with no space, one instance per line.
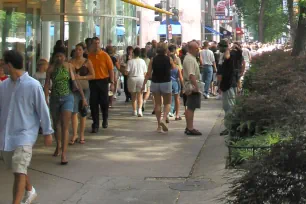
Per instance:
(207,77)
(176,87)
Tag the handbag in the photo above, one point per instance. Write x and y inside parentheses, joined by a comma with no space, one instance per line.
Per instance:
(73,83)
(189,88)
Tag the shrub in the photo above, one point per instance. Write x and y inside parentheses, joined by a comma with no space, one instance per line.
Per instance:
(244,149)
(274,96)
(279,177)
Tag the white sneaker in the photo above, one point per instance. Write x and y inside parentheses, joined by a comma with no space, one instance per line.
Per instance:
(140,114)
(134,113)
(171,115)
(30,196)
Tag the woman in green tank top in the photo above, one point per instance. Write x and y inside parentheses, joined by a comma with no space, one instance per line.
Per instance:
(61,99)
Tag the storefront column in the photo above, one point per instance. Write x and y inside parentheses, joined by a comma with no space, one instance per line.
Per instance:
(57,31)
(141,29)
(108,25)
(46,40)
(74,35)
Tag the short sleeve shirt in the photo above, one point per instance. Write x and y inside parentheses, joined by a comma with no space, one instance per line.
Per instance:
(191,67)
(208,57)
(136,67)
(102,64)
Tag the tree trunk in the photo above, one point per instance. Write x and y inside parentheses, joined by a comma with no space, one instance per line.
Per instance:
(300,39)
(292,22)
(261,24)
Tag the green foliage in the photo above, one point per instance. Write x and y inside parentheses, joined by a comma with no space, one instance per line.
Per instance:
(277,177)
(244,149)
(275,20)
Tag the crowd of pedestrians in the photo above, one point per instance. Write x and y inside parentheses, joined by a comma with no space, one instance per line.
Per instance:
(73,88)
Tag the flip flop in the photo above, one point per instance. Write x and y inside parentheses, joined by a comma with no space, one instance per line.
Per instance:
(164,126)
(73,141)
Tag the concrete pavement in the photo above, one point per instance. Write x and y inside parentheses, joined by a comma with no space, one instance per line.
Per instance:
(130,163)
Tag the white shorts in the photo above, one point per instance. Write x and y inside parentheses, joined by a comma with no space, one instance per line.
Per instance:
(18,160)
(135,84)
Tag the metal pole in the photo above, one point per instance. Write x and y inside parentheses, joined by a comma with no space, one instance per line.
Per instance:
(167,20)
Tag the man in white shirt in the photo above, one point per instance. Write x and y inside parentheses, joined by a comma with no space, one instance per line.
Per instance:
(209,62)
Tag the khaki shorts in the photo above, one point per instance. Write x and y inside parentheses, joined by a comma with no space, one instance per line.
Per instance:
(18,160)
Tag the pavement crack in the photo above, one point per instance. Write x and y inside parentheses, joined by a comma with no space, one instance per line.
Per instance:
(202,149)
(60,177)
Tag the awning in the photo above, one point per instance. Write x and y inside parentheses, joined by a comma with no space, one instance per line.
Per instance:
(225,32)
(213,31)
(176,28)
(239,31)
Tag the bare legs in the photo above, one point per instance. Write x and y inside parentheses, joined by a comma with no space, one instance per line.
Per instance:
(61,133)
(134,102)
(75,124)
(19,187)
(65,120)
(166,99)
(137,100)
(177,105)
(189,114)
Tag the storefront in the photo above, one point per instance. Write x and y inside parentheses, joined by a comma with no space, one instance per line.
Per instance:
(34,26)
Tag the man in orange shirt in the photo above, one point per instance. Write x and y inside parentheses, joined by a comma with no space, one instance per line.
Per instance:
(104,74)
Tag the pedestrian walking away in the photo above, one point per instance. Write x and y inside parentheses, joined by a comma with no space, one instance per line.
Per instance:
(161,87)
(23,110)
(136,71)
(209,63)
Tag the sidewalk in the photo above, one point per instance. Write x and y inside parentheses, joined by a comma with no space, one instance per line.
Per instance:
(130,163)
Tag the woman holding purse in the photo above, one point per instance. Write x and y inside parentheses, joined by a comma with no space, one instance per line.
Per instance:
(62,76)
(84,72)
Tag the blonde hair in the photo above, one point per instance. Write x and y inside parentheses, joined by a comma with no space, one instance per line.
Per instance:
(161,48)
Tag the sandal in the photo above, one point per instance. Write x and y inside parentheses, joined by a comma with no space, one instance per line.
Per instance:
(73,141)
(193,132)
(82,141)
(164,126)
(178,118)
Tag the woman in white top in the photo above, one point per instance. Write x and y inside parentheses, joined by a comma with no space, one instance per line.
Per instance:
(136,71)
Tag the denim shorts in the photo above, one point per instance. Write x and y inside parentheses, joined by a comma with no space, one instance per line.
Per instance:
(162,88)
(61,104)
(78,98)
(175,87)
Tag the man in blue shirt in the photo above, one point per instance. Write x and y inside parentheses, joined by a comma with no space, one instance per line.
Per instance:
(23,110)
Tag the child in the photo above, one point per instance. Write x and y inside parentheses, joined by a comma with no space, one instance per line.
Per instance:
(40,75)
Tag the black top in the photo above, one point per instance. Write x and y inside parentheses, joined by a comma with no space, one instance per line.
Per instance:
(83,70)
(230,70)
(161,68)
(114,60)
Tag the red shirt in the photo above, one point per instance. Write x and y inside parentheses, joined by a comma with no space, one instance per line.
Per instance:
(3,78)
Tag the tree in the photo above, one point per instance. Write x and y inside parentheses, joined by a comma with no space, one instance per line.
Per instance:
(300,39)
(261,23)
(264,17)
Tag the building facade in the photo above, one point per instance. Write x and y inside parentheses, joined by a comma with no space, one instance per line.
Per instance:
(34,26)
(187,29)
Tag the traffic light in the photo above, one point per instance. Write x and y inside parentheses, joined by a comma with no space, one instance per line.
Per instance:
(176,13)
(158,15)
